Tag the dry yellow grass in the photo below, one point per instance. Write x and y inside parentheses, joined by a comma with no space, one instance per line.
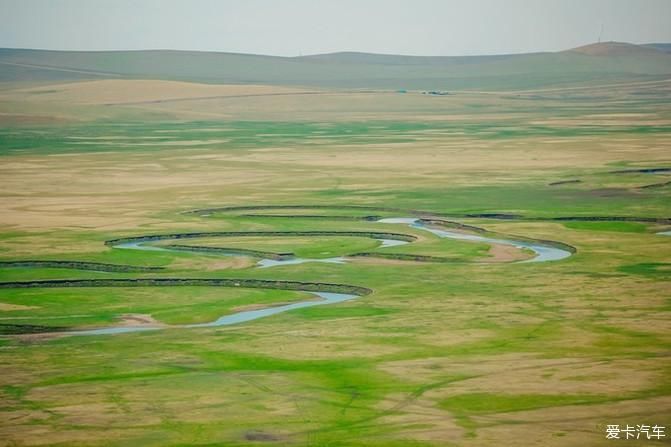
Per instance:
(118,91)
(576,327)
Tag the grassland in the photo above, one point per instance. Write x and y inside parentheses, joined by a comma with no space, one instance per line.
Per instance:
(592,65)
(465,353)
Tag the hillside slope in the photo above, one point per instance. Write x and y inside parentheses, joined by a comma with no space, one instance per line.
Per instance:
(589,64)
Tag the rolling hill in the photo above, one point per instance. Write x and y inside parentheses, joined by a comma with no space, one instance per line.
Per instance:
(595,63)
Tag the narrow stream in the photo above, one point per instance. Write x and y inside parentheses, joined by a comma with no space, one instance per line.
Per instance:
(543,252)
(226,320)
(263,263)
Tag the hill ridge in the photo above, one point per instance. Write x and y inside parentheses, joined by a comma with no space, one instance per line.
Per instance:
(348,69)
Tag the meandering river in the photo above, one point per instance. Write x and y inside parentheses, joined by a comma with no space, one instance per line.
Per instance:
(543,253)
(226,320)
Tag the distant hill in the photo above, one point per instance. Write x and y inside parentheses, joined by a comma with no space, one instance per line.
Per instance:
(595,63)
(665,47)
(351,57)
(616,49)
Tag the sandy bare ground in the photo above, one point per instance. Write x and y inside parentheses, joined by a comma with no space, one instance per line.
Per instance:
(6,307)
(138,320)
(125,320)
(505,253)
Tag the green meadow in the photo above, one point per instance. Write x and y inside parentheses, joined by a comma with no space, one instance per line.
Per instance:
(474,349)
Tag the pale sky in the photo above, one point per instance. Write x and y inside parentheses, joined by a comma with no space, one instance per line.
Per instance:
(293,27)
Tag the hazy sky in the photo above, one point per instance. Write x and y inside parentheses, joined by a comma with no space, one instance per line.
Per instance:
(292,27)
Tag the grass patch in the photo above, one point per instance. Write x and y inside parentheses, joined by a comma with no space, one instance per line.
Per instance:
(622,227)
(486,403)
(657,269)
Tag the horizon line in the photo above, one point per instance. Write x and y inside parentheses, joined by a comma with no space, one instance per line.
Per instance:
(319,54)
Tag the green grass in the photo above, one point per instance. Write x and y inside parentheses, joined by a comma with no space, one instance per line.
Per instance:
(625,227)
(102,306)
(659,269)
(435,343)
(241,135)
(304,247)
(485,403)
